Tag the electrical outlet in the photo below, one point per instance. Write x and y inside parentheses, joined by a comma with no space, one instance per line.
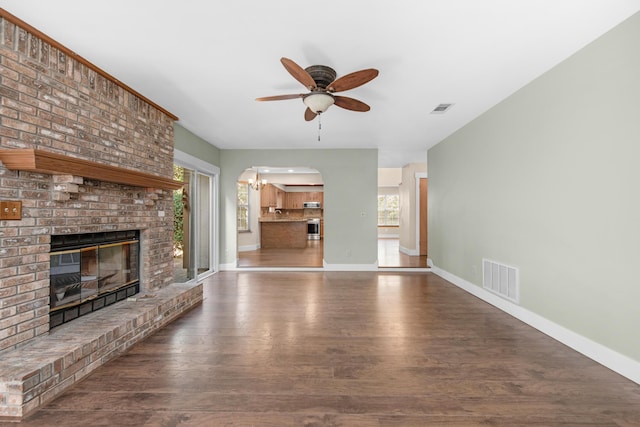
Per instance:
(10,210)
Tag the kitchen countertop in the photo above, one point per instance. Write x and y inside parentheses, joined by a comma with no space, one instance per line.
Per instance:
(285,219)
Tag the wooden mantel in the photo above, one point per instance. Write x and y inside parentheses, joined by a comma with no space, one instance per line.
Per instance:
(41,161)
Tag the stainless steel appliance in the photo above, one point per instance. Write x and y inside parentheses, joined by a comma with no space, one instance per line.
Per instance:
(313,229)
(311,205)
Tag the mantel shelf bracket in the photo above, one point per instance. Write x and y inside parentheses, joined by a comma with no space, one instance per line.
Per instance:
(40,161)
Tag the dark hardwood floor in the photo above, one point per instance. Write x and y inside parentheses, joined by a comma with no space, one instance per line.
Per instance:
(345,349)
(311,256)
(389,256)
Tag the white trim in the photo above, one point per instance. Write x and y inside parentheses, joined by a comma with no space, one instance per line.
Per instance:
(215,208)
(417,177)
(388,236)
(330,267)
(185,159)
(613,360)
(228,267)
(404,269)
(350,267)
(247,248)
(410,252)
(252,269)
(198,165)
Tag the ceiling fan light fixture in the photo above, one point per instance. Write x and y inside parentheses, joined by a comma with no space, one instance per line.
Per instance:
(318,102)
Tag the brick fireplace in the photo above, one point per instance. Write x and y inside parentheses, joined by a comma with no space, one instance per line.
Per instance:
(52,102)
(94,156)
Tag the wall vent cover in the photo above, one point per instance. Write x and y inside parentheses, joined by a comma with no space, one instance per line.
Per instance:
(501,279)
(441,108)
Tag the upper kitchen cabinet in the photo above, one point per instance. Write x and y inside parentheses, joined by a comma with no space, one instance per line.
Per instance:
(296,199)
(271,197)
(315,196)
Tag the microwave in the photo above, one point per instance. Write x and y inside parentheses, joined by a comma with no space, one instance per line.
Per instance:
(314,205)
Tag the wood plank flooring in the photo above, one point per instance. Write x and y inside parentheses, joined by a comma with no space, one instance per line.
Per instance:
(389,256)
(311,256)
(379,349)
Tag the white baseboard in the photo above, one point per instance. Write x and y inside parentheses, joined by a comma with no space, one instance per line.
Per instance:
(248,248)
(326,267)
(350,267)
(613,360)
(228,267)
(410,252)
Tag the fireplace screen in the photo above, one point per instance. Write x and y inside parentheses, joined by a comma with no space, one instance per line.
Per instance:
(87,278)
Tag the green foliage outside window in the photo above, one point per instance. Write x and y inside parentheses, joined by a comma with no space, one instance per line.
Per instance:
(178,212)
(388,209)
(243,206)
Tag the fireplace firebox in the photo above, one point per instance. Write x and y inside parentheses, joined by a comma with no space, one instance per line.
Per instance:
(91,271)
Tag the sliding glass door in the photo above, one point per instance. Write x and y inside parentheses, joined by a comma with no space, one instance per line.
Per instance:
(203,229)
(195,225)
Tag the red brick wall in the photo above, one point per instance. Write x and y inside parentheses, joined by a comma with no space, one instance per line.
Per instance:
(50,101)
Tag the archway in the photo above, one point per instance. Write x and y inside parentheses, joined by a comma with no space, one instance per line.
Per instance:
(280,220)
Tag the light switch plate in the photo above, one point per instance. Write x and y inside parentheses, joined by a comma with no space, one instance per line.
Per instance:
(10,210)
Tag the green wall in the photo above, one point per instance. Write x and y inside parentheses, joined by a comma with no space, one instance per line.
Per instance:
(350,200)
(549,181)
(189,143)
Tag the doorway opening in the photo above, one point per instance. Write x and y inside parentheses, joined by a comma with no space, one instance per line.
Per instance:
(402,217)
(280,217)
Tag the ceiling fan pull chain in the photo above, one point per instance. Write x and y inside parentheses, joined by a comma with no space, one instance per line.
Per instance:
(319,126)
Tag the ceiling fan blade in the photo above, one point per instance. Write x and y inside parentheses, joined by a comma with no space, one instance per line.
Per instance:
(350,103)
(309,115)
(279,97)
(298,73)
(353,80)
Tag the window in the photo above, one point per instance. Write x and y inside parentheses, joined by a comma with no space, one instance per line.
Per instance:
(388,209)
(243,206)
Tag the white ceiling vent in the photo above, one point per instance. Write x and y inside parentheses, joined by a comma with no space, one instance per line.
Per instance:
(441,108)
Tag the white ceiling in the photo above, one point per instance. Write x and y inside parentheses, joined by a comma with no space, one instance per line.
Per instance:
(206,62)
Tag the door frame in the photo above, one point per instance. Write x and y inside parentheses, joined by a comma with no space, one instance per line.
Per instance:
(185,160)
(418,176)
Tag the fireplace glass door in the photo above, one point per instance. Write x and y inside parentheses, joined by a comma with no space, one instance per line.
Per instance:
(117,266)
(65,277)
(79,275)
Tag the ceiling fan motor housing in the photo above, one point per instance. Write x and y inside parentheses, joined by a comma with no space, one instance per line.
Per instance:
(322,75)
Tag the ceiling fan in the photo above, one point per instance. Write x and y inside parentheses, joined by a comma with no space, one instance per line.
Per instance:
(321,82)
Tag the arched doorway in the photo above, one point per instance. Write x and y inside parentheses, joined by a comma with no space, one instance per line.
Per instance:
(280,217)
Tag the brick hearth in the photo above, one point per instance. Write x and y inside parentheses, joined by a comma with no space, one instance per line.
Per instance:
(37,372)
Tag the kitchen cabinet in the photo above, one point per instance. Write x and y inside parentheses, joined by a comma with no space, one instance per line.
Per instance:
(271,197)
(291,234)
(315,196)
(295,200)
